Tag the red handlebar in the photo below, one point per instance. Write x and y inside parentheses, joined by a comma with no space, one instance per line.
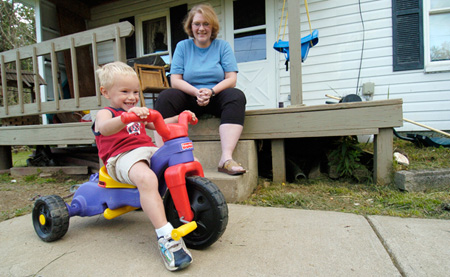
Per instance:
(166,131)
(132,117)
(185,118)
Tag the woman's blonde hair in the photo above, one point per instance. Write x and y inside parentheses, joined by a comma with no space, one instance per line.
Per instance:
(107,73)
(210,16)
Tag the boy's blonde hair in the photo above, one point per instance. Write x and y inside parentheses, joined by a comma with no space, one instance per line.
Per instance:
(107,73)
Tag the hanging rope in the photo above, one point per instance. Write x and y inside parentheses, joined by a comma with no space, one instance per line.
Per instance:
(307,14)
(286,19)
(281,21)
(285,23)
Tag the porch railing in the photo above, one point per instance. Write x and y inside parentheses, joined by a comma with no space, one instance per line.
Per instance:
(115,33)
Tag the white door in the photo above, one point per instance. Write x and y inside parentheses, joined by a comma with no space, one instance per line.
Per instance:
(250,29)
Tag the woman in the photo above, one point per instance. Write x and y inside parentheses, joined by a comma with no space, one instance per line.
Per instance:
(203,79)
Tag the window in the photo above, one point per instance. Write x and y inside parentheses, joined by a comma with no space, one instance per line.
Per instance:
(249,30)
(437,35)
(154,37)
(158,33)
(407,35)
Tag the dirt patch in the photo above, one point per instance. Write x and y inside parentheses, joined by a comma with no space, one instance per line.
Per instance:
(17,196)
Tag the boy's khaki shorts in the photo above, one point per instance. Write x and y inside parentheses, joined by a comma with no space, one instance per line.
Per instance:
(119,165)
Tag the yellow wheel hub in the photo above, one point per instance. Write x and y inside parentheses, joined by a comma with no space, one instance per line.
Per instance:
(42,219)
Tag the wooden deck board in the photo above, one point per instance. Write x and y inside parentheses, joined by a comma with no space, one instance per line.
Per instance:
(357,118)
(52,134)
(65,105)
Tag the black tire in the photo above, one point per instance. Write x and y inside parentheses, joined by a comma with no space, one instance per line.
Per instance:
(50,218)
(210,212)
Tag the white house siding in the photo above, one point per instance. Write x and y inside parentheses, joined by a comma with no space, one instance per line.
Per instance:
(332,66)
(113,12)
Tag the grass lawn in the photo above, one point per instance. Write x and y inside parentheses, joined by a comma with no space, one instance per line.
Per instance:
(351,197)
(347,195)
(20,158)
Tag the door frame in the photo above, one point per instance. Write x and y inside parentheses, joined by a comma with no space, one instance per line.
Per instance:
(271,13)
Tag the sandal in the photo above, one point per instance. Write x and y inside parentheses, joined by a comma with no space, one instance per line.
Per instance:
(228,168)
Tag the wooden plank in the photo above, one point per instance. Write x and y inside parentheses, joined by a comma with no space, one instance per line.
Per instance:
(63,43)
(37,86)
(65,105)
(362,118)
(117,46)
(311,134)
(19,81)
(278,161)
(202,132)
(95,62)
(5,109)
(76,86)
(327,107)
(57,93)
(383,149)
(284,124)
(52,134)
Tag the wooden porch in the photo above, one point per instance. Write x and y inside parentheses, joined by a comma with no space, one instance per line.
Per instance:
(358,118)
(376,118)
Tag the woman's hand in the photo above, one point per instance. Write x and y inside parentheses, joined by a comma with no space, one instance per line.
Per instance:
(204,96)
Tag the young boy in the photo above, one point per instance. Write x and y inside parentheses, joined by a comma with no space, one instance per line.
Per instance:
(126,151)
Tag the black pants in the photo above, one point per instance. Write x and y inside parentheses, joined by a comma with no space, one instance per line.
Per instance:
(228,105)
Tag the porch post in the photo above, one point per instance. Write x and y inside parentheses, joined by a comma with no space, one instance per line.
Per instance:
(5,157)
(295,51)
(278,161)
(383,150)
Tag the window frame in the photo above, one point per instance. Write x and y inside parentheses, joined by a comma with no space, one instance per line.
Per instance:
(140,34)
(407,20)
(436,66)
(250,29)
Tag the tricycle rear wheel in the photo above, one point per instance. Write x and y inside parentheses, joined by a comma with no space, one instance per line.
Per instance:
(50,217)
(210,212)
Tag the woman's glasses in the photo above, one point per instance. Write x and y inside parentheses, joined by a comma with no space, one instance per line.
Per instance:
(198,24)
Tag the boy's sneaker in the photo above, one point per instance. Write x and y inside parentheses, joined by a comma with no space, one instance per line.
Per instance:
(174,253)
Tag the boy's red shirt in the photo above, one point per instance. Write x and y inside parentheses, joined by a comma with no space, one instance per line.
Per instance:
(129,138)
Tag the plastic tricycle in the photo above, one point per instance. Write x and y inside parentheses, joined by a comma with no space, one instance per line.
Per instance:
(188,196)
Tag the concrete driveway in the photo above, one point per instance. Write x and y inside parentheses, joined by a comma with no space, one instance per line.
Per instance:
(258,242)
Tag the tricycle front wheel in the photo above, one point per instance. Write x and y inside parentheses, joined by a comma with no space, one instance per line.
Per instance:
(50,217)
(210,212)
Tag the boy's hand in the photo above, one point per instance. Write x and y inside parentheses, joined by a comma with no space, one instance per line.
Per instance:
(142,112)
(193,116)
(134,114)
